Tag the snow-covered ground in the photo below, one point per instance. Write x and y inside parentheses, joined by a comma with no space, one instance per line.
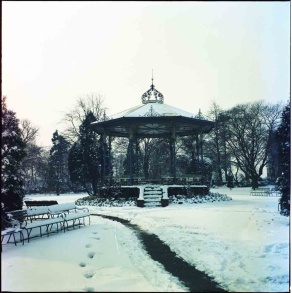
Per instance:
(243,244)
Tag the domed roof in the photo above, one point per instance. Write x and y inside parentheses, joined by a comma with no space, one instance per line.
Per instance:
(152,105)
(153,118)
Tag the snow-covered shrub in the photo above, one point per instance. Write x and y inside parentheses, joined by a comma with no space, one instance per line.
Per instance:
(106,202)
(210,197)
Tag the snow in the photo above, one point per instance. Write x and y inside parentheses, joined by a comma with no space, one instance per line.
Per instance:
(243,243)
(156,107)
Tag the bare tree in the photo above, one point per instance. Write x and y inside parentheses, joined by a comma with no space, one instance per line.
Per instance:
(73,119)
(216,142)
(28,131)
(34,168)
(250,127)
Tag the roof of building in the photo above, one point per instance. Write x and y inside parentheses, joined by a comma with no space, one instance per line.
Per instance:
(153,118)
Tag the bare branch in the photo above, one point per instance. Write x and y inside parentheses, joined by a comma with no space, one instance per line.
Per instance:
(28,131)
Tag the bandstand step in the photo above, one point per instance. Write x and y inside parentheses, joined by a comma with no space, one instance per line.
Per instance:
(152,196)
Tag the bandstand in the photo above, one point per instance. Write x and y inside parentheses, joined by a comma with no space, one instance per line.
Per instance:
(155,119)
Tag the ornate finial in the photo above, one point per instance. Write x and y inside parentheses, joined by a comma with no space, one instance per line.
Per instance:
(200,115)
(146,97)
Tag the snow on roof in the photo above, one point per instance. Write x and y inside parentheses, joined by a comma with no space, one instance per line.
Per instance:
(153,109)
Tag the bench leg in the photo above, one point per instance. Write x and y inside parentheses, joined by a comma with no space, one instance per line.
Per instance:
(13,235)
(21,237)
(47,226)
(28,231)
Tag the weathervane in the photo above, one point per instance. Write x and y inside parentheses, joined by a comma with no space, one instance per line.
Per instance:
(152,92)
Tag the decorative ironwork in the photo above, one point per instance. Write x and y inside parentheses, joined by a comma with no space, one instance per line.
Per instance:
(151,113)
(152,95)
(200,115)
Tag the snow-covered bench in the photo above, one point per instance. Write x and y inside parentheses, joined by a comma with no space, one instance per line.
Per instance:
(264,192)
(37,213)
(11,232)
(38,203)
(261,192)
(76,216)
(58,215)
(63,208)
(50,211)
(12,222)
(48,223)
(70,212)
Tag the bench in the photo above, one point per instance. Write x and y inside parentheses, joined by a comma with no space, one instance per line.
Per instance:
(63,208)
(49,211)
(13,223)
(48,223)
(264,192)
(59,215)
(76,216)
(11,232)
(70,212)
(38,203)
(37,213)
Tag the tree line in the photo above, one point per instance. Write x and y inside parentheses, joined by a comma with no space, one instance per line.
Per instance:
(245,139)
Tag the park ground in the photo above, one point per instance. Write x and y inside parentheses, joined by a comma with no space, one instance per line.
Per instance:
(243,244)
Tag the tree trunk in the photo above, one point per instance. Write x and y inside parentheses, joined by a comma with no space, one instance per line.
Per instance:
(254,181)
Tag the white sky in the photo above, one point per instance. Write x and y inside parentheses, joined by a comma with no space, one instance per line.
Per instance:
(56,52)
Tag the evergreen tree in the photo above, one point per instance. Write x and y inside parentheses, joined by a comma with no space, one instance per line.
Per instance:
(75,168)
(90,154)
(87,164)
(58,164)
(12,154)
(284,181)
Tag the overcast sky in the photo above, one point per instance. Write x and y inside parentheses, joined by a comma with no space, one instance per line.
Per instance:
(200,52)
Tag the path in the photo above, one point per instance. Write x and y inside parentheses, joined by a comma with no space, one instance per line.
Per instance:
(192,278)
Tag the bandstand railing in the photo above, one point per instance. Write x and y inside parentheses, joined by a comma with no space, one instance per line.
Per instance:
(166,180)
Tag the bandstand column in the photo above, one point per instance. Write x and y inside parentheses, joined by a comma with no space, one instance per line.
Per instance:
(197,147)
(172,154)
(104,159)
(201,147)
(110,158)
(131,138)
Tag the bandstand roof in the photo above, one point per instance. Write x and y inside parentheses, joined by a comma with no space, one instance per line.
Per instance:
(153,118)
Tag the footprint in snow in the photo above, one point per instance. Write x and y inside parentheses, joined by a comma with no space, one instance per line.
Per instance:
(96,238)
(89,274)
(88,245)
(82,264)
(91,254)
(268,248)
(94,232)
(89,289)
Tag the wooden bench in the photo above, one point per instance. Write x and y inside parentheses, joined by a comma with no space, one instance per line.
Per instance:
(38,203)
